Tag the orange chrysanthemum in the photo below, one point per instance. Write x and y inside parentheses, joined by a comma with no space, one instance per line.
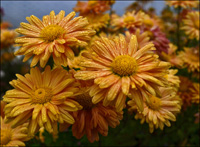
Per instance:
(93,118)
(172,57)
(12,136)
(93,6)
(128,20)
(159,110)
(183,3)
(195,93)
(53,35)
(190,57)
(191,25)
(7,38)
(184,91)
(122,68)
(41,98)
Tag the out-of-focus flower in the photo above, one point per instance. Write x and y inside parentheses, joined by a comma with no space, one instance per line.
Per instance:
(183,3)
(172,79)
(98,22)
(12,136)
(5,25)
(184,91)
(191,25)
(7,38)
(159,111)
(53,35)
(6,56)
(195,93)
(190,57)
(93,118)
(123,68)
(129,20)
(41,98)
(93,6)
(159,39)
(172,57)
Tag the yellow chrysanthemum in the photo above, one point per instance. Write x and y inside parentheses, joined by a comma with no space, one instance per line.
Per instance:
(53,35)
(191,25)
(7,38)
(172,79)
(99,21)
(12,136)
(183,3)
(41,98)
(159,110)
(93,118)
(172,57)
(195,93)
(122,68)
(190,57)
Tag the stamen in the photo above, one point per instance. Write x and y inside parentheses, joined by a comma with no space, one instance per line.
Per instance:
(42,95)
(154,103)
(85,100)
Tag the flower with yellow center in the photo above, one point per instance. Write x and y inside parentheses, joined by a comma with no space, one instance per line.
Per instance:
(120,67)
(12,136)
(41,98)
(93,118)
(191,25)
(54,35)
(98,21)
(183,3)
(195,93)
(159,110)
(7,38)
(190,58)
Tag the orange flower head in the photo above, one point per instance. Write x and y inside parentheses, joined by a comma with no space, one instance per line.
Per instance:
(7,38)
(191,25)
(120,67)
(182,3)
(41,98)
(12,136)
(54,35)
(158,111)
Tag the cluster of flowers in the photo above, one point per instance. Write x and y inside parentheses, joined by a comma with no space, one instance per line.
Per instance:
(102,64)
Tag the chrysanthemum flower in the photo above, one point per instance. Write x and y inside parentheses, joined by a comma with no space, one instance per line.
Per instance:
(184,91)
(12,136)
(191,25)
(41,98)
(195,93)
(183,3)
(172,57)
(98,22)
(93,118)
(93,6)
(159,111)
(172,79)
(159,39)
(53,35)
(123,68)
(129,20)
(7,38)
(190,57)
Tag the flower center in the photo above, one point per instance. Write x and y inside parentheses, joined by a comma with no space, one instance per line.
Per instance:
(196,24)
(5,136)
(129,19)
(154,103)
(124,65)
(85,100)
(51,33)
(42,95)
(148,22)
